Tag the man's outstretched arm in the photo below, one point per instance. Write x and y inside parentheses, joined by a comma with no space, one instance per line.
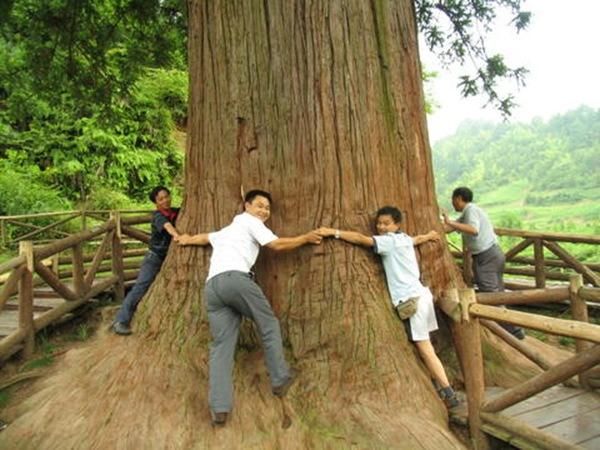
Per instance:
(353,237)
(291,243)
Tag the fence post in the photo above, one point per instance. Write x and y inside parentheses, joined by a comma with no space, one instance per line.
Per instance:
(579,311)
(471,356)
(78,284)
(540,274)
(117,257)
(3,233)
(26,298)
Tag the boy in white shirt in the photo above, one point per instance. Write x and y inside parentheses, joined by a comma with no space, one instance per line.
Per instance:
(231,293)
(402,275)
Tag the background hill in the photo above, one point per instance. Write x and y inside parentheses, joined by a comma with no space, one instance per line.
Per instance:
(538,175)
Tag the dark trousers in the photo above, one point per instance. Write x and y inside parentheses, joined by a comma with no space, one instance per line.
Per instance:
(488,269)
(149,269)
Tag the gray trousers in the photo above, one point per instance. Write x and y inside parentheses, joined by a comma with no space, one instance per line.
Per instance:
(229,296)
(488,268)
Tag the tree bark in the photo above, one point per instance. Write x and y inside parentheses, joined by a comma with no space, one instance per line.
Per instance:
(320,103)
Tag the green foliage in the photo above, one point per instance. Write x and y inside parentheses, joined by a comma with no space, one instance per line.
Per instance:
(455,31)
(22,194)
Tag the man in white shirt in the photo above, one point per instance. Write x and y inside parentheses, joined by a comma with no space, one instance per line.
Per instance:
(479,237)
(231,293)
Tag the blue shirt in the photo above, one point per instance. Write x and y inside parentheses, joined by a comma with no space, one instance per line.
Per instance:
(400,264)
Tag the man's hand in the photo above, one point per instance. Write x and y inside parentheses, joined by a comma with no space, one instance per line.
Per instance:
(313,237)
(182,239)
(326,232)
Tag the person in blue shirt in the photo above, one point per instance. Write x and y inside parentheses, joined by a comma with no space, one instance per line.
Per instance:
(403,281)
(479,238)
(162,232)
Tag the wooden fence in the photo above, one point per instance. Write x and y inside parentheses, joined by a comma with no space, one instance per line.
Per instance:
(76,277)
(49,226)
(471,311)
(558,266)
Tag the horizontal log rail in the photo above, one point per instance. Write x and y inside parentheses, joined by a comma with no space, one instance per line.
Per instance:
(561,327)
(558,237)
(528,297)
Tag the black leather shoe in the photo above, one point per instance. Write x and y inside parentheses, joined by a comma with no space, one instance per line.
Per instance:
(281,390)
(218,419)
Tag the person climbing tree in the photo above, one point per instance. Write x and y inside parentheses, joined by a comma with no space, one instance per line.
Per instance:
(412,301)
(231,293)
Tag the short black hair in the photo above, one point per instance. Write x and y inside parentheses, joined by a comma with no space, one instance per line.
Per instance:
(390,211)
(251,195)
(463,192)
(154,193)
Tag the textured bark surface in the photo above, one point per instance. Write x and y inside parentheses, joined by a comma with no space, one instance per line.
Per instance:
(320,103)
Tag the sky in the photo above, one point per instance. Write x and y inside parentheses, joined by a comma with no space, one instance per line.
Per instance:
(561,50)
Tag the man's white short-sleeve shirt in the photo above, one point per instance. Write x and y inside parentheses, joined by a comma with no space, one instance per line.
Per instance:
(236,246)
(400,265)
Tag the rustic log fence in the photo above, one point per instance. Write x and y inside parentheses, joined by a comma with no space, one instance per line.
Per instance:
(471,311)
(24,227)
(75,268)
(540,268)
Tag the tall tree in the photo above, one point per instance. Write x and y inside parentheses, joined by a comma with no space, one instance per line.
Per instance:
(320,103)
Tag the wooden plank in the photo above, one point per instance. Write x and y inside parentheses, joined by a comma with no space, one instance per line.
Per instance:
(562,410)
(591,444)
(550,396)
(39,304)
(562,327)
(557,374)
(579,428)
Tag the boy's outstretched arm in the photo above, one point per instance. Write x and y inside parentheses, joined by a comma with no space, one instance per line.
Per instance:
(197,239)
(353,237)
(421,238)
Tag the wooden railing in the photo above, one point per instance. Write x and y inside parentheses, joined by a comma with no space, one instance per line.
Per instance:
(76,277)
(539,267)
(471,311)
(17,228)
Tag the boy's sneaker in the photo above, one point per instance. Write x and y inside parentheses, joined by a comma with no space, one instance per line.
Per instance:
(449,397)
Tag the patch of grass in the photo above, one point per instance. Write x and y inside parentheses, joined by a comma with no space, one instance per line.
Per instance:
(566,341)
(539,335)
(81,333)
(47,348)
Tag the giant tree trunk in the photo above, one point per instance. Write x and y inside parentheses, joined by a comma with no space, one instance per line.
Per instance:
(320,103)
